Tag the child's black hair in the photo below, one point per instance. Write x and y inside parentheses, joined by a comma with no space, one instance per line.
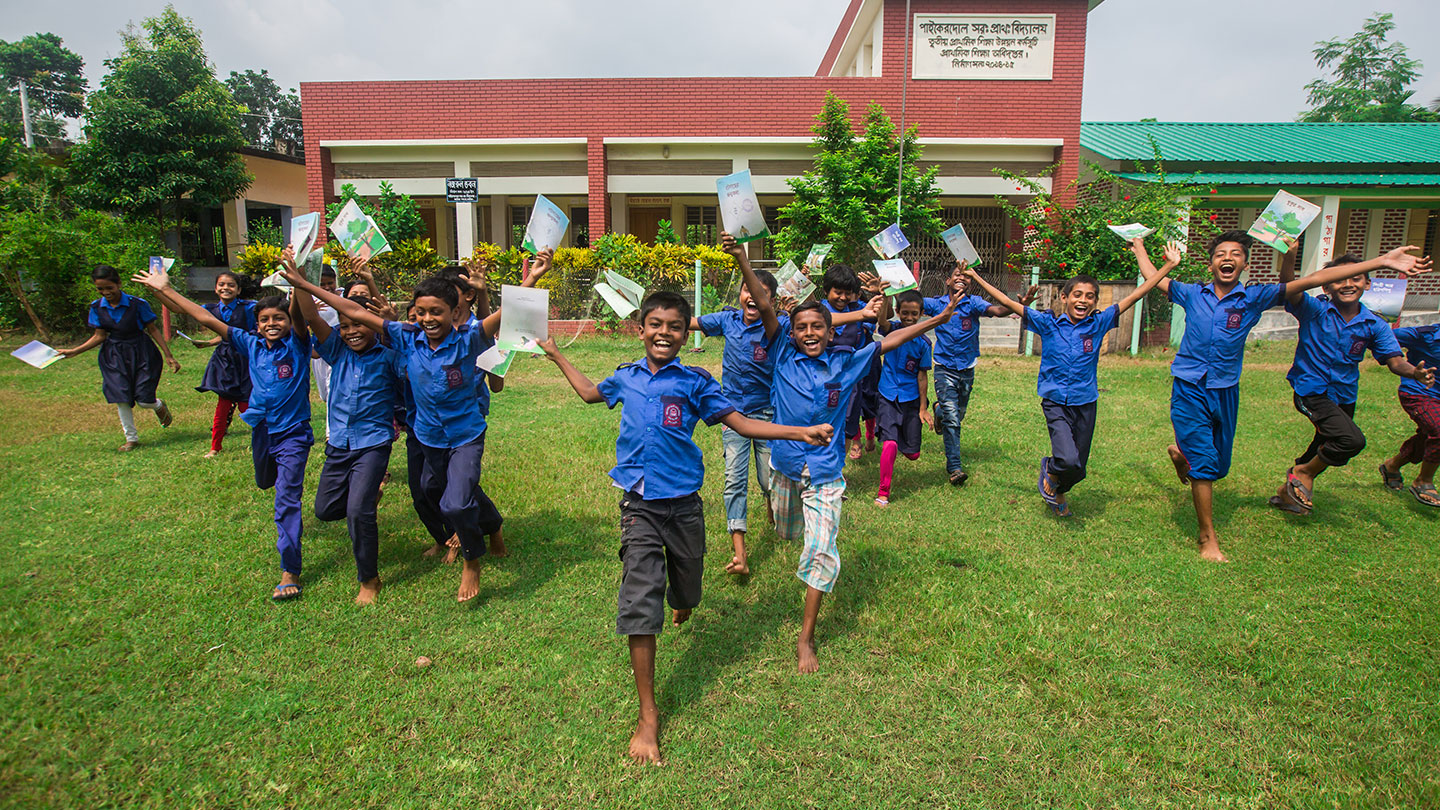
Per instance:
(279,302)
(1243,239)
(457,274)
(665,299)
(910,297)
(436,287)
(811,306)
(768,279)
(327,270)
(1344,258)
(841,277)
(1076,281)
(362,299)
(106,272)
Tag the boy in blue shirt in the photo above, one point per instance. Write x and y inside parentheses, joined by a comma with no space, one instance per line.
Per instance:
(842,290)
(1335,332)
(365,377)
(813,384)
(957,350)
(902,389)
(1068,380)
(1422,403)
(660,469)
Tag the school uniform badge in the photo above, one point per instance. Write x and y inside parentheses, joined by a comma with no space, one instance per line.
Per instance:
(757,351)
(284,371)
(670,412)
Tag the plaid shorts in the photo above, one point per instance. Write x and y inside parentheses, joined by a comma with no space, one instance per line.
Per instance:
(1425,444)
(815,509)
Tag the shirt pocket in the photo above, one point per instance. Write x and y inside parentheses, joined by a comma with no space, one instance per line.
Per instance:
(672,411)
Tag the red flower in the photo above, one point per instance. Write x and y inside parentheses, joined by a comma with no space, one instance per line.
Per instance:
(1214,217)
(1062,264)
(1007,245)
(1049,210)
(1017,188)
(1047,241)
(1214,191)
(1127,196)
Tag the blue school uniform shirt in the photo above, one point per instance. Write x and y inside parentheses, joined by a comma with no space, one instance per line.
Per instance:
(363,385)
(445,411)
(225,311)
(747,364)
(1213,348)
(279,379)
(1070,353)
(900,374)
(655,454)
(1423,345)
(1328,354)
(815,391)
(957,341)
(853,335)
(146,314)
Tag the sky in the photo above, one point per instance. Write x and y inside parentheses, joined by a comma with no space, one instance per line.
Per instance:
(1175,60)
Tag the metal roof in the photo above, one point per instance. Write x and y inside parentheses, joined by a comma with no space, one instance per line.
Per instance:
(1291,179)
(1268,142)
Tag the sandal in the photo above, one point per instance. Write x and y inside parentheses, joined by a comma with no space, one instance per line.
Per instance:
(1286,505)
(284,591)
(1300,493)
(1426,494)
(959,477)
(882,501)
(1392,480)
(1061,510)
(1048,496)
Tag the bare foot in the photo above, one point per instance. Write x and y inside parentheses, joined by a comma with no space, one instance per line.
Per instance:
(451,555)
(738,565)
(805,651)
(435,550)
(645,742)
(1210,550)
(497,544)
(681,616)
(1182,464)
(469,581)
(770,511)
(211,454)
(368,590)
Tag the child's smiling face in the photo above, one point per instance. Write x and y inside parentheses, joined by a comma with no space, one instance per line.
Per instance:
(1080,301)
(1348,290)
(748,311)
(1227,262)
(434,316)
(839,298)
(663,332)
(810,332)
(909,313)
(356,335)
(226,288)
(273,324)
(108,290)
(958,281)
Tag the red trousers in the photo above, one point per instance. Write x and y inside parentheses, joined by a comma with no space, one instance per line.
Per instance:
(224,412)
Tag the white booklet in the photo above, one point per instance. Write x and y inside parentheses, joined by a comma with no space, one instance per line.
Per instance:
(889,242)
(546,226)
(791,282)
(895,274)
(277,279)
(358,233)
(623,295)
(740,213)
(1132,231)
(36,354)
(960,245)
(495,360)
(525,318)
(304,232)
(1283,220)
(816,260)
(159,263)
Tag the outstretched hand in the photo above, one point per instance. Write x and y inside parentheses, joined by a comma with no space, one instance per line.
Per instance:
(1030,295)
(174,364)
(1401,260)
(1424,374)
(541,264)
(1173,254)
(870,283)
(819,435)
(386,310)
(873,306)
(156,281)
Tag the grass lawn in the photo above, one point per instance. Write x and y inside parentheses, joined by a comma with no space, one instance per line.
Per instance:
(976,652)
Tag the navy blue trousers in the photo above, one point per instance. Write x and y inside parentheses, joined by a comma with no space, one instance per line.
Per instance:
(426,509)
(350,488)
(1071,429)
(451,478)
(280,460)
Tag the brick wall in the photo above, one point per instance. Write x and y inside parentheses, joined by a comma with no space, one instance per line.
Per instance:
(1358,230)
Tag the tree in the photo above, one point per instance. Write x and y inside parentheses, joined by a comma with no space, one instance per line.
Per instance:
(1370,79)
(54,78)
(849,195)
(271,119)
(161,128)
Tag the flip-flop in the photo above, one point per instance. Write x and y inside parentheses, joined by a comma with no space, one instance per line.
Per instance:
(1061,510)
(882,501)
(284,591)
(1298,491)
(1288,506)
(1048,497)
(1426,489)
(959,477)
(1392,480)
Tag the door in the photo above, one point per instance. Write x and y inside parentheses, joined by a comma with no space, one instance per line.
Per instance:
(645,223)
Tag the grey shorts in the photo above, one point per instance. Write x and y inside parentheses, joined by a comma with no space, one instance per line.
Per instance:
(661,541)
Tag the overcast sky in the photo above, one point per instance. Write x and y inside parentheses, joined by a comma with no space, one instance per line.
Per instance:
(1176,60)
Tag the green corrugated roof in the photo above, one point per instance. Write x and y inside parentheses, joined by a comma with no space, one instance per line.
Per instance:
(1270,142)
(1293,179)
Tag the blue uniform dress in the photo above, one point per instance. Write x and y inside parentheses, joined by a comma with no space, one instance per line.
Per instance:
(1326,373)
(361,420)
(745,372)
(227,373)
(899,419)
(280,436)
(447,420)
(1205,393)
(130,363)
(659,469)
(1068,386)
(857,336)
(957,349)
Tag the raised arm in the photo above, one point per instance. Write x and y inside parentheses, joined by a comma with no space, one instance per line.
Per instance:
(1398,260)
(899,336)
(1147,267)
(1287,273)
(160,283)
(298,326)
(758,292)
(1420,373)
(1010,305)
(1172,260)
(818,435)
(303,312)
(588,391)
(339,303)
(153,330)
(491,322)
(870,312)
(997,311)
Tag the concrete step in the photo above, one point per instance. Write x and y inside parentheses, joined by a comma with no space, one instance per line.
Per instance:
(1278,324)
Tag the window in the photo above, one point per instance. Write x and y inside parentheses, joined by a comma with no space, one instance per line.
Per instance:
(701,226)
(519,218)
(773,223)
(580,227)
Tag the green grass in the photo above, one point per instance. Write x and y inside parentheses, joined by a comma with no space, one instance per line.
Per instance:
(976,652)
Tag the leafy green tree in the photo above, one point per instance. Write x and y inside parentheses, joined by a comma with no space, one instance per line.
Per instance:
(272,118)
(1370,78)
(397,214)
(54,78)
(161,129)
(849,195)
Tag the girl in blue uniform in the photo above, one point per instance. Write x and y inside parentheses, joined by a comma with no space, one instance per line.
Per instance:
(130,341)
(227,375)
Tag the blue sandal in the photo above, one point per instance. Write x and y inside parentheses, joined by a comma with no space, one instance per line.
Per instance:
(285,591)
(1049,497)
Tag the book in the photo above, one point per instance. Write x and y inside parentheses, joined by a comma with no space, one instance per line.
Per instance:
(303,231)
(1386,297)
(1132,231)
(1283,220)
(792,282)
(740,213)
(546,226)
(816,260)
(889,242)
(278,280)
(960,245)
(160,263)
(184,336)
(495,360)
(622,294)
(896,275)
(357,233)
(36,354)
(526,318)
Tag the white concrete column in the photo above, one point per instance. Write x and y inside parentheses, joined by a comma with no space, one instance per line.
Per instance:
(442,233)
(465,230)
(1320,243)
(500,220)
(619,213)
(1374,223)
(677,219)
(237,228)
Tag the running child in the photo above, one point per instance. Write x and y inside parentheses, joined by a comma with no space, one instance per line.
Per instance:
(660,469)
(1335,332)
(128,334)
(226,375)
(1422,403)
(1068,382)
(277,354)
(842,288)
(903,385)
(813,383)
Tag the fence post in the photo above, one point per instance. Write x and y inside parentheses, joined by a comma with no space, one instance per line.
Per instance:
(699,285)
(1139,316)
(1030,336)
